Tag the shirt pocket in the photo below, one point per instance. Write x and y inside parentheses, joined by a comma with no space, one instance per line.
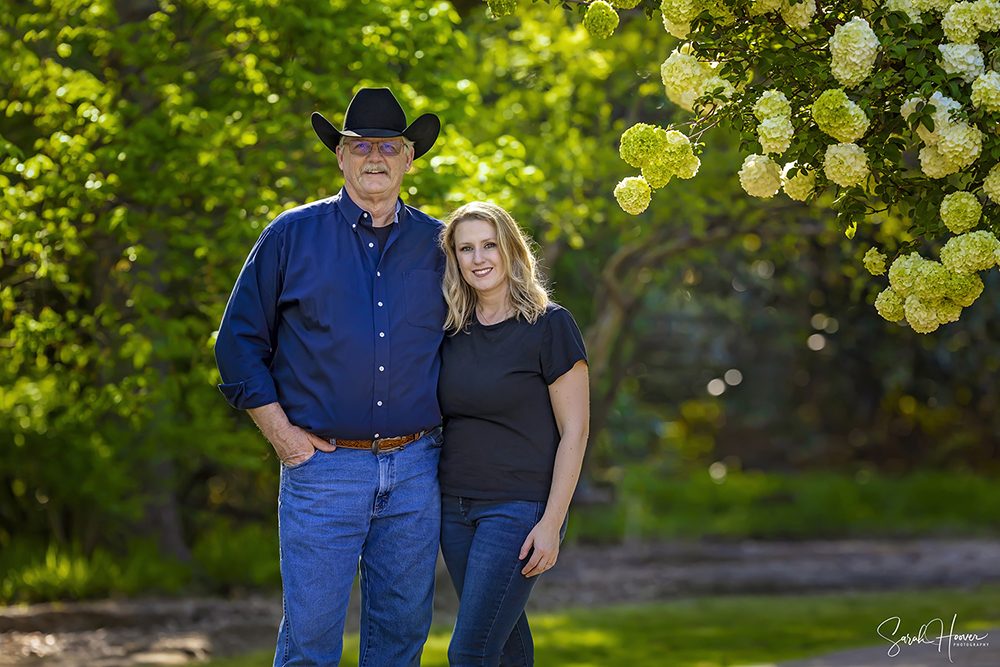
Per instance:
(425,305)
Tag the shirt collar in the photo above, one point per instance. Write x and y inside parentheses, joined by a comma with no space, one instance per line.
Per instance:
(353,212)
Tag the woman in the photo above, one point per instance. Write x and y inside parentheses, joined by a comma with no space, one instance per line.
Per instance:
(514,395)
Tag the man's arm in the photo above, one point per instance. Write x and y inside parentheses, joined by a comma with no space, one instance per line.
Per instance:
(292,444)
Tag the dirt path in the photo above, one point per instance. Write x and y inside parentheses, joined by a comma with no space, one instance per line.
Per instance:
(165,632)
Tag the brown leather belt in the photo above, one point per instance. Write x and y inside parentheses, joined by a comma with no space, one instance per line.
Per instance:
(380,445)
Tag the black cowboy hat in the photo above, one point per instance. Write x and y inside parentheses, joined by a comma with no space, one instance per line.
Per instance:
(375,112)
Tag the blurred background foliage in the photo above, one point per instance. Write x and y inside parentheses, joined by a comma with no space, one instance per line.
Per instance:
(742,383)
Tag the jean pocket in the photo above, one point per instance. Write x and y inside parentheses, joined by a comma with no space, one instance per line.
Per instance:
(425,305)
(298,466)
(436,437)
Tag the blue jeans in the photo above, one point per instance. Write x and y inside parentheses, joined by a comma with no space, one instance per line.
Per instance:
(346,505)
(481,541)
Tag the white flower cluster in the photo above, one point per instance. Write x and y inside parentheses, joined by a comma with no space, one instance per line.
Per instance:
(853,47)
(775,116)
(685,79)
(991,185)
(986,91)
(963,21)
(678,14)
(760,176)
(799,186)
(964,59)
(633,195)
(961,211)
(927,293)
(797,16)
(972,252)
(839,117)
(845,164)
(905,6)
(952,145)
(874,261)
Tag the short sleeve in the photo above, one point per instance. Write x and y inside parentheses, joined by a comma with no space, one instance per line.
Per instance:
(562,344)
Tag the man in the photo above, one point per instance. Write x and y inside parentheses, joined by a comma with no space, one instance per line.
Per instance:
(330,340)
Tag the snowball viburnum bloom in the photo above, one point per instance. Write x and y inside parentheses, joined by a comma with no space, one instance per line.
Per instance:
(889,305)
(987,15)
(960,143)
(845,164)
(681,11)
(772,103)
(986,91)
(964,59)
(991,186)
(601,19)
(943,108)
(760,176)
(775,134)
(968,253)
(921,317)
(839,117)
(798,16)
(657,174)
(853,47)
(934,164)
(961,211)
(959,23)
(963,289)
(633,195)
(904,272)
(678,30)
(905,6)
(683,77)
(642,144)
(501,8)
(799,186)
(874,261)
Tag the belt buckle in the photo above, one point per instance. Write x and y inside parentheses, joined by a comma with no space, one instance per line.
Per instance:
(376,450)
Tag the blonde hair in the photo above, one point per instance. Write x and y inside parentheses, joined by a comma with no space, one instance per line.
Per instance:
(527,292)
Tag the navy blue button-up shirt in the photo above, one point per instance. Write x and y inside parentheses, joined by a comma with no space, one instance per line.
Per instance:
(346,341)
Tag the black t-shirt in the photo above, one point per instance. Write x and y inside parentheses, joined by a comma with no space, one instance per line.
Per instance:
(500,435)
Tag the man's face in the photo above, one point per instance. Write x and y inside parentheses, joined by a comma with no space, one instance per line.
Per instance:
(377,175)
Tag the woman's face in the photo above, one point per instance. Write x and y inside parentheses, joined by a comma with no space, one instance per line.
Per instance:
(479,256)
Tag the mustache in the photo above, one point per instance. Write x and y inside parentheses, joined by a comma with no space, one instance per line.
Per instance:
(374,169)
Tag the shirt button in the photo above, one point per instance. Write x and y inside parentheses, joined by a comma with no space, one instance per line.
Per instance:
(378,273)
(376,435)
(381,368)
(354,226)
(364,215)
(371,245)
(381,334)
(380,402)
(379,304)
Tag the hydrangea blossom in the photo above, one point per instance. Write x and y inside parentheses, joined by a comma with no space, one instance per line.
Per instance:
(987,15)
(963,289)
(839,117)
(889,305)
(688,167)
(601,19)
(961,211)
(799,186)
(633,195)
(967,253)
(959,23)
(501,8)
(934,164)
(845,164)
(986,91)
(683,77)
(942,115)
(853,47)
(642,144)
(964,59)
(760,176)
(991,186)
(657,174)
(904,273)
(772,103)
(764,6)
(625,4)
(874,261)
(798,16)
(678,30)
(925,6)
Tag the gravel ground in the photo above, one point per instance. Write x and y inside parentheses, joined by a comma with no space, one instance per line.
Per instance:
(173,632)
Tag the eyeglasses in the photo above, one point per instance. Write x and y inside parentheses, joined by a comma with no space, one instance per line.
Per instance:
(387,148)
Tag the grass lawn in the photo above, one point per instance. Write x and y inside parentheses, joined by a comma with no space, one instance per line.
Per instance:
(718,631)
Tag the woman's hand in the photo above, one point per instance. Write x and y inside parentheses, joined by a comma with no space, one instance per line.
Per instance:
(544,539)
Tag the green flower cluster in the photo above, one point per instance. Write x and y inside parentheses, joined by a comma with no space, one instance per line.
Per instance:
(760,176)
(633,195)
(986,91)
(642,144)
(971,252)
(874,261)
(601,19)
(625,4)
(775,116)
(931,294)
(845,164)
(838,116)
(853,48)
(961,211)
(800,186)
(991,185)
(501,8)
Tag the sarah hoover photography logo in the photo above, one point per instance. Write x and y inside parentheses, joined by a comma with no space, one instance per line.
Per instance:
(932,632)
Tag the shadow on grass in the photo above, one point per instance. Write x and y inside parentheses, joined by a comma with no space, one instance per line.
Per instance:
(718,632)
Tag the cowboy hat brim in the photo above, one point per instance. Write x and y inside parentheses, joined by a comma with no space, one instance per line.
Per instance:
(423,132)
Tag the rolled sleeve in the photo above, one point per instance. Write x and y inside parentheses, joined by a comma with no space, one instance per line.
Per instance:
(245,345)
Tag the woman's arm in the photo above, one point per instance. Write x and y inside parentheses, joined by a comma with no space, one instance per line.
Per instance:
(570,396)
